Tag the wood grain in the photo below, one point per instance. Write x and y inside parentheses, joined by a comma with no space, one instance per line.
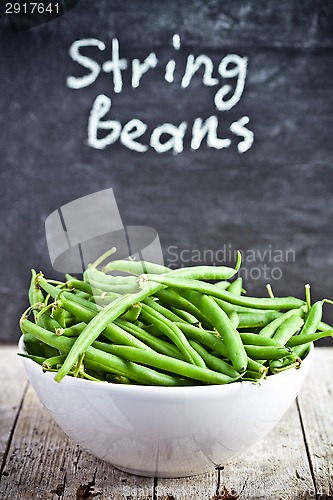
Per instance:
(12,388)
(316,410)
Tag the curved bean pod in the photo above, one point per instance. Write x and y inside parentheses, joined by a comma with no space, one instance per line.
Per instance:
(71,331)
(35,294)
(209,289)
(257,319)
(194,272)
(222,323)
(255,339)
(270,329)
(288,328)
(135,267)
(236,287)
(169,364)
(307,338)
(266,352)
(215,343)
(311,323)
(83,286)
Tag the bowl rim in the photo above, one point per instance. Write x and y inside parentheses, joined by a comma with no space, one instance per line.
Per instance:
(179,390)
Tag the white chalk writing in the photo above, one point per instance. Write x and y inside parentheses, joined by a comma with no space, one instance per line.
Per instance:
(103,131)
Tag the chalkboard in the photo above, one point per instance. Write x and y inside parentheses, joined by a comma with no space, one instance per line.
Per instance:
(211,122)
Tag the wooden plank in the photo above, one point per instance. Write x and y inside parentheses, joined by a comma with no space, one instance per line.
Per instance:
(13,384)
(201,487)
(44,464)
(316,408)
(276,468)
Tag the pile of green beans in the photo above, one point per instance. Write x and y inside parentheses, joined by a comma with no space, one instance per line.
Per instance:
(136,322)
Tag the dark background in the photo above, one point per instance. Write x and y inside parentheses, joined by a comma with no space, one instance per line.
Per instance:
(277,194)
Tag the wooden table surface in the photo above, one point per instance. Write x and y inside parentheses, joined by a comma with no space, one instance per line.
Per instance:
(38,461)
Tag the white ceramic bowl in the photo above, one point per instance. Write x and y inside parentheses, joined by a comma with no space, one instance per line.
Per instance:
(166,431)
